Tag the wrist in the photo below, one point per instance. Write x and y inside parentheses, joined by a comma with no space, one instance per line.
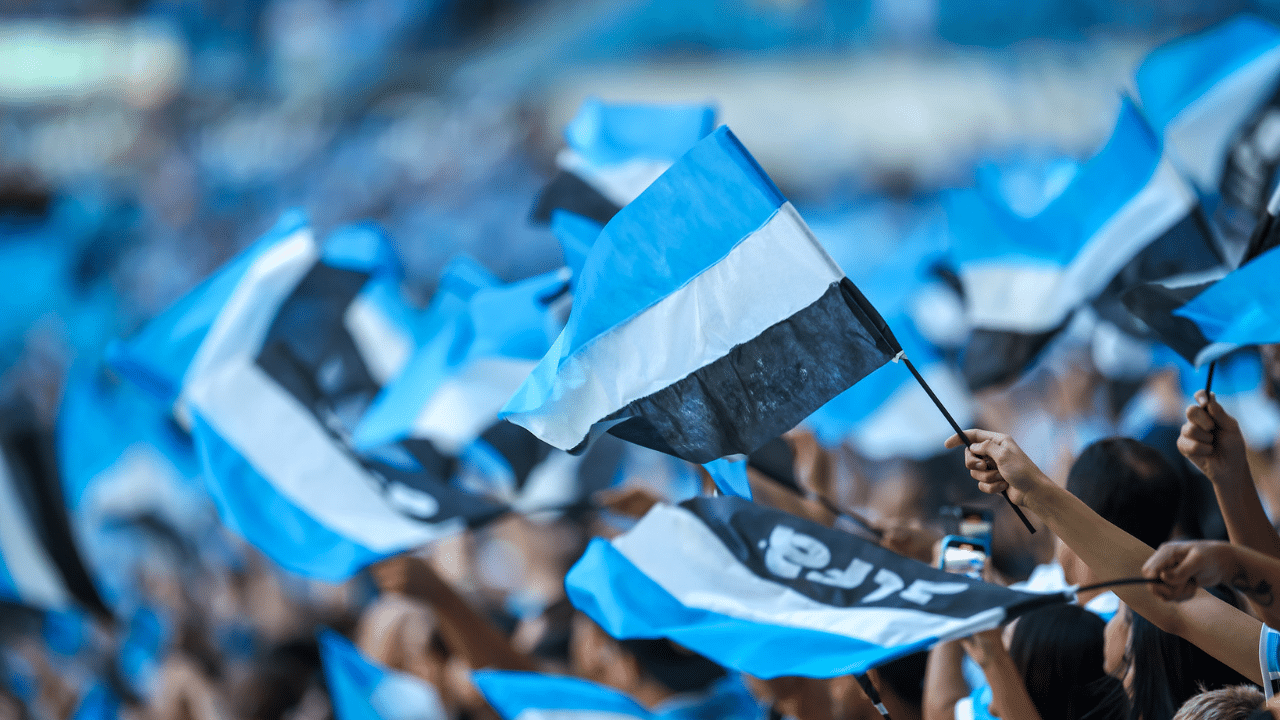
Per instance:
(1037,491)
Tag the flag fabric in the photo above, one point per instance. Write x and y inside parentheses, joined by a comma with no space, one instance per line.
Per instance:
(576,235)
(1215,97)
(707,320)
(1126,213)
(730,476)
(535,696)
(361,689)
(40,562)
(1204,321)
(766,593)
(274,389)
(615,151)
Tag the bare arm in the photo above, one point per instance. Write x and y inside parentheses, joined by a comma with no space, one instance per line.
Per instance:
(1008,692)
(1211,439)
(1229,635)
(944,683)
(1184,566)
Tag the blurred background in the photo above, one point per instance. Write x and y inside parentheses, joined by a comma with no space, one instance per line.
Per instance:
(144,143)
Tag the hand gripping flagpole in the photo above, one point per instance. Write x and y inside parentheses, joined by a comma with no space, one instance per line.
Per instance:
(956,426)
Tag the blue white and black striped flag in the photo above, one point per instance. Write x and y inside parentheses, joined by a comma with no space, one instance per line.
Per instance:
(707,320)
(361,689)
(769,594)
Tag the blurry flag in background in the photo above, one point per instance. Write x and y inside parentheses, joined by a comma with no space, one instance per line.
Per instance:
(615,151)
(707,320)
(528,695)
(1126,213)
(363,690)
(769,594)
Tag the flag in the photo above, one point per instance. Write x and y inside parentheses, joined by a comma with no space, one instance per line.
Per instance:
(1126,213)
(1202,321)
(529,695)
(769,594)
(274,389)
(40,561)
(707,320)
(361,689)
(576,235)
(614,151)
(1215,97)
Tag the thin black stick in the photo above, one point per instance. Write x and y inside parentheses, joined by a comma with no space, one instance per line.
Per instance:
(873,695)
(959,431)
(1117,583)
(834,509)
(1208,384)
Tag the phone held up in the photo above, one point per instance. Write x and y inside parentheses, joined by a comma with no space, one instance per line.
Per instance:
(968,543)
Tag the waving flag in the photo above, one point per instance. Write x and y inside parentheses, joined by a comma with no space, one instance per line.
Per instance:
(529,695)
(615,151)
(1203,322)
(707,321)
(576,235)
(363,690)
(274,388)
(730,476)
(1215,96)
(1126,212)
(770,594)
(40,562)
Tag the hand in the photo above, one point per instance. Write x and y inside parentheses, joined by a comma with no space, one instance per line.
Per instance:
(913,542)
(1182,567)
(983,646)
(999,465)
(1211,439)
(632,501)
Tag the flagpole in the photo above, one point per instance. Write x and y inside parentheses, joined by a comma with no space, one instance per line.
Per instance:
(873,695)
(959,431)
(1208,384)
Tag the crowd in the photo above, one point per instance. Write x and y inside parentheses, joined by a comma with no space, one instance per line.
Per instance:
(293,493)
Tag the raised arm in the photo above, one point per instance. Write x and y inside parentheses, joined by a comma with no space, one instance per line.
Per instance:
(1009,697)
(1184,566)
(1211,439)
(944,683)
(998,464)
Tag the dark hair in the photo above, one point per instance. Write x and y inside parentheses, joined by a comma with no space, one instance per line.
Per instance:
(1168,671)
(1058,652)
(1130,485)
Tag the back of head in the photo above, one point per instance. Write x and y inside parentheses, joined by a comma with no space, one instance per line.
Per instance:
(1059,652)
(1168,670)
(1130,485)
(1229,703)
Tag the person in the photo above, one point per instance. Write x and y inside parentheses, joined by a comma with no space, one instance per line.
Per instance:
(1239,702)
(1000,466)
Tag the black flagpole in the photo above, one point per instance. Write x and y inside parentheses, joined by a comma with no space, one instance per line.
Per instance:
(1208,384)
(959,431)
(873,695)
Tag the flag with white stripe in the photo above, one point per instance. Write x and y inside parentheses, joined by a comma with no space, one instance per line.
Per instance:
(536,696)
(707,320)
(769,594)
(1127,213)
(614,151)
(276,386)
(361,689)
(1215,97)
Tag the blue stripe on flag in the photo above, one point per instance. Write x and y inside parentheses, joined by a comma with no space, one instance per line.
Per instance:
(1175,75)
(251,506)
(628,604)
(8,587)
(730,476)
(1243,308)
(576,235)
(511,693)
(988,230)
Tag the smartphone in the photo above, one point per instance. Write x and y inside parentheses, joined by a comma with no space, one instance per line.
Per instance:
(963,556)
(967,521)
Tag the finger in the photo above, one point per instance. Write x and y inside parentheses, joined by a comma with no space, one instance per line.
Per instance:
(1200,418)
(1198,434)
(954,441)
(993,488)
(973,462)
(983,448)
(1191,448)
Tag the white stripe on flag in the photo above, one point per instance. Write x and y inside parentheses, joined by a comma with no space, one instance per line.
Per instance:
(620,183)
(1014,296)
(773,273)
(467,403)
(38,581)
(384,347)
(679,552)
(1201,134)
(907,424)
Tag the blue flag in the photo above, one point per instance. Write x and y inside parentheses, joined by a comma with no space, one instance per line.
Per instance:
(707,321)
(526,694)
(1126,216)
(769,594)
(283,374)
(730,476)
(363,690)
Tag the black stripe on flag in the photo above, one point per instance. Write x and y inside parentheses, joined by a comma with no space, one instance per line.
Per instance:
(765,386)
(1154,303)
(996,357)
(522,450)
(841,570)
(1249,172)
(567,191)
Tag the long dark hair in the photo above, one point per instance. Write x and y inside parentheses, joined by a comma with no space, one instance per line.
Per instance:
(1168,670)
(1058,652)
